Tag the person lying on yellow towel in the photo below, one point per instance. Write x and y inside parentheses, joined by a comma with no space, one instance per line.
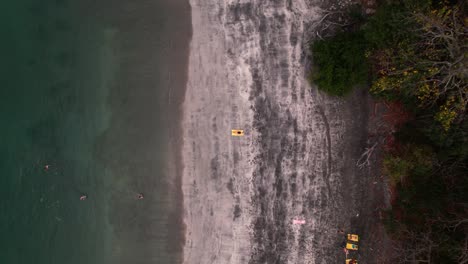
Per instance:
(237,132)
(353,237)
(351,246)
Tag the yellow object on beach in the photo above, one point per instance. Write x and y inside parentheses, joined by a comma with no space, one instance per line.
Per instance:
(237,132)
(351,246)
(353,237)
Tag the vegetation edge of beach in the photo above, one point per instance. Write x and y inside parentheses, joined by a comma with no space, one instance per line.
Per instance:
(412,56)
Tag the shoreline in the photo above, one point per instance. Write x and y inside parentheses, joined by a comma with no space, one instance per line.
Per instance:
(177,138)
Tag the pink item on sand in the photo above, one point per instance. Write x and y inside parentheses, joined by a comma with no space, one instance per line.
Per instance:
(299,222)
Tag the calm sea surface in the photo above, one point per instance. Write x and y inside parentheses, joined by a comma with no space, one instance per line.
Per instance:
(92,89)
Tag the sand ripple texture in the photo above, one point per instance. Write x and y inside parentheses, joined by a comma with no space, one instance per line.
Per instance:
(241,194)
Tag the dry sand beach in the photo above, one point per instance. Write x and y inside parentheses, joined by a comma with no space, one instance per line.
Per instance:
(297,158)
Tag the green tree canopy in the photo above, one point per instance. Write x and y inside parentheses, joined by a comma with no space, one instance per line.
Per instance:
(340,63)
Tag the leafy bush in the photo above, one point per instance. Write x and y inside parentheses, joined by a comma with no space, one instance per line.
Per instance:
(396,169)
(391,26)
(341,63)
(413,159)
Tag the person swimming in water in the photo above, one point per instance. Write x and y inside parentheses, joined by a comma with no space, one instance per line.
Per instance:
(140,196)
(83,197)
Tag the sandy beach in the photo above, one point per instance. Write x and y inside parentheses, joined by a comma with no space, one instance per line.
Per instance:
(297,160)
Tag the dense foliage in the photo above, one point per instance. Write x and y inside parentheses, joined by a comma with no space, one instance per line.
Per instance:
(340,63)
(425,62)
(416,52)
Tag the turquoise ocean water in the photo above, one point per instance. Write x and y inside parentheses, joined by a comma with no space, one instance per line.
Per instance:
(93,89)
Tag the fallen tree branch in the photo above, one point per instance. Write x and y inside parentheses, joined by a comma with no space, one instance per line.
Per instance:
(364,160)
